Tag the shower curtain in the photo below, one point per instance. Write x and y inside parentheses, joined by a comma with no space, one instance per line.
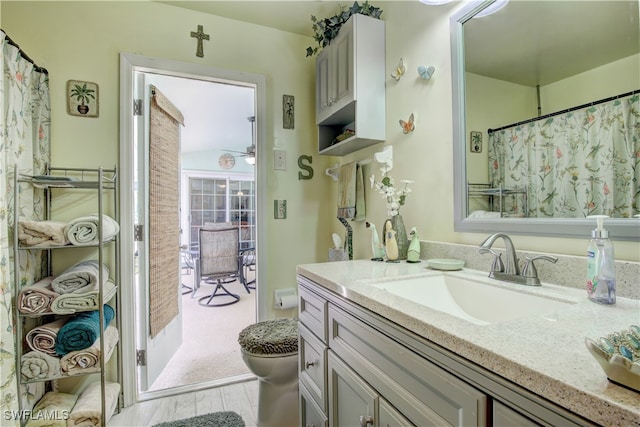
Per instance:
(25,117)
(583,162)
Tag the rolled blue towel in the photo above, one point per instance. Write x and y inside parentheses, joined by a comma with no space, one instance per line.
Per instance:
(82,330)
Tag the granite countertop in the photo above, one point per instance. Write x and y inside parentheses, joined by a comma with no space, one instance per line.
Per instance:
(544,354)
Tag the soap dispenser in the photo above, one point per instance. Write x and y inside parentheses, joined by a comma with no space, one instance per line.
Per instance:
(601,274)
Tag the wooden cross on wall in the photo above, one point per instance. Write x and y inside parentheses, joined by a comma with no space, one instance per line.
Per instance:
(200,35)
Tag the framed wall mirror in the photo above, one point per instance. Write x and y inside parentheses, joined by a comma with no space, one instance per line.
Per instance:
(552,91)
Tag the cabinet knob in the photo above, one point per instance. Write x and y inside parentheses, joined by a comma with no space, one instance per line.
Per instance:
(366,420)
(309,364)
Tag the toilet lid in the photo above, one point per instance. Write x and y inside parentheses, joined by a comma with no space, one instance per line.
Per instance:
(278,336)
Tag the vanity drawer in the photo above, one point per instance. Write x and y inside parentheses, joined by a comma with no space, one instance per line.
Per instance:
(389,367)
(312,312)
(312,365)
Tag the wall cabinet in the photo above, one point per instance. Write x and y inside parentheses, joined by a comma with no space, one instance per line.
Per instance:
(45,304)
(378,374)
(350,88)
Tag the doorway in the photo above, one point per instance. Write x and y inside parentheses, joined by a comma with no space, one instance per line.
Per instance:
(164,74)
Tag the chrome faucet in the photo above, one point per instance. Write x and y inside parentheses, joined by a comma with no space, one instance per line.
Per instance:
(509,271)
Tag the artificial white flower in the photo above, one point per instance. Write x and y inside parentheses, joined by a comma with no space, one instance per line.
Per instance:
(395,197)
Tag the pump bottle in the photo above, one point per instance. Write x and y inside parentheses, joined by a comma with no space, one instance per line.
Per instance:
(601,276)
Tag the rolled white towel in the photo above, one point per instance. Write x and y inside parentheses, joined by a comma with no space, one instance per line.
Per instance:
(80,278)
(88,409)
(75,361)
(36,365)
(43,338)
(82,301)
(84,230)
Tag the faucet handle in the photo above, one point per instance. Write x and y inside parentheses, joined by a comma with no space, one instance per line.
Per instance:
(529,269)
(497,265)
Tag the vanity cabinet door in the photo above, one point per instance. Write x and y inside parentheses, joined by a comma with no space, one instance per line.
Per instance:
(324,90)
(310,414)
(343,54)
(503,416)
(352,401)
(388,416)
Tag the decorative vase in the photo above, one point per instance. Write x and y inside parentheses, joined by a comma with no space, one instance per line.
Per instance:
(401,235)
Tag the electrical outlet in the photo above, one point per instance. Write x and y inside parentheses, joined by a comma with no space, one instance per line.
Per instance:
(279,209)
(280,160)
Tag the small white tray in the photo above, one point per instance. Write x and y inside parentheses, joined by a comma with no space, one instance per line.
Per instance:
(445,264)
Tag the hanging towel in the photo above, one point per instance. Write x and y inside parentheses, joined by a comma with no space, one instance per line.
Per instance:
(37,297)
(360,202)
(347,191)
(52,410)
(82,330)
(351,199)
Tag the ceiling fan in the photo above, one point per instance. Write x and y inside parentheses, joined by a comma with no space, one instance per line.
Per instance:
(250,153)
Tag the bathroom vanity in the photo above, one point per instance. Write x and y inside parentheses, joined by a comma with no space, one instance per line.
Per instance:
(371,355)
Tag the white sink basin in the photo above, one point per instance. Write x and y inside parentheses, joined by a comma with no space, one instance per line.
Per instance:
(471,298)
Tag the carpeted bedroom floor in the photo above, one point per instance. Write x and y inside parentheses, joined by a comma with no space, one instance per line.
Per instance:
(210,350)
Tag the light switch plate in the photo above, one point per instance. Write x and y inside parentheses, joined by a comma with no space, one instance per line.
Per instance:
(280,160)
(279,209)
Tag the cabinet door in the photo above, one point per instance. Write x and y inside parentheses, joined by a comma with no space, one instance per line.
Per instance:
(352,402)
(503,416)
(323,84)
(342,48)
(310,414)
(388,416)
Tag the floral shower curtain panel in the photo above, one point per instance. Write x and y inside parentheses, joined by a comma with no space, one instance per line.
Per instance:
(583,162)
(24,141)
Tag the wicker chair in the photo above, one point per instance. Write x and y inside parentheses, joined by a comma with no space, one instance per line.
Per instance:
(218,264)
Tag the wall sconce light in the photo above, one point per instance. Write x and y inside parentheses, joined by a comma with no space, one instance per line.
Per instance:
(251,159)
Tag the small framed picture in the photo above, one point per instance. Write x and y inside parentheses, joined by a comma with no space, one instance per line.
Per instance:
(82,98)
(475,142)
(288,112)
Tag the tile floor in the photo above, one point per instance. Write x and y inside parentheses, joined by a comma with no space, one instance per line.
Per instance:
(241,398)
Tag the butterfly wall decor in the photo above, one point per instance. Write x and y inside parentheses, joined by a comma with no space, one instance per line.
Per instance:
(408,126)
(426,72)
(399,71)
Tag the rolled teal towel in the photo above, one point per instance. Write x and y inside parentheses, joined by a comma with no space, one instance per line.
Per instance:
(82,330)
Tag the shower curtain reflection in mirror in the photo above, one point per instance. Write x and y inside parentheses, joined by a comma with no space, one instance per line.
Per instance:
(583,162)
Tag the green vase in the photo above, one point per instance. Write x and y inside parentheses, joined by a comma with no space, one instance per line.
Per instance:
(401,235)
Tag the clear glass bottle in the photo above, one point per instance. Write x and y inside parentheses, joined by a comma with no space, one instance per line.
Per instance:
(601,274)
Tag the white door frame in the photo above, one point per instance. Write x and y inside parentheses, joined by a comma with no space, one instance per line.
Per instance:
(129,64)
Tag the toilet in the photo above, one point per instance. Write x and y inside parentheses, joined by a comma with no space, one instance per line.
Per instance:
(270,351)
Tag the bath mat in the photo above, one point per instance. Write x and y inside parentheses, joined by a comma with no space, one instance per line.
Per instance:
(215,419)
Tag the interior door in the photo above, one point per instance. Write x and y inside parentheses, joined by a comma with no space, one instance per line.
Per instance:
(157,198)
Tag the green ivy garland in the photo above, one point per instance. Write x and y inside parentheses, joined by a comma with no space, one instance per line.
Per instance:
(327,29)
